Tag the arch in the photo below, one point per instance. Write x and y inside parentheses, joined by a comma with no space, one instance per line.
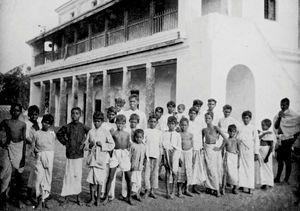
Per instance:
(240,90)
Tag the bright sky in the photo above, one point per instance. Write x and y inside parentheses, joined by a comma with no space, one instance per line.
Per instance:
(19,20)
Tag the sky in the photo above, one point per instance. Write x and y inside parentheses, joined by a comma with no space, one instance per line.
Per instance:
(19,20)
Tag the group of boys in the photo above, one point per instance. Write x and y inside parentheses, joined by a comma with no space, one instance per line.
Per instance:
(178,141)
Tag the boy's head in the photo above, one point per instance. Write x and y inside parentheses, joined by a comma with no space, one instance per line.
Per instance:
(98,118)
(15,110)
(284,104)
(197,104)
(171,105)
(111,113)
(193,112)
(172,122)
(232,130)
(133,101)
(138,136)
(209,116)
(119,103)
(266,124)
(47,121)
(159,112)
(152,121)
(180,108)
(33,112)
(134,120)
(227,110)
(184,124)
(246,116)
(75,114)
(211,104)
(120,121)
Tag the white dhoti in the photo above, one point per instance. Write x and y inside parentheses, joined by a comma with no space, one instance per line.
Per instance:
(198,168)
(43,173)
(231,168)
(72,178)
(246,170)
(136,180)
(185,172)
(211,160)
(266,176)
(97,176)
(5,170)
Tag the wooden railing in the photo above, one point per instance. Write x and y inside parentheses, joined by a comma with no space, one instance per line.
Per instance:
(163,21)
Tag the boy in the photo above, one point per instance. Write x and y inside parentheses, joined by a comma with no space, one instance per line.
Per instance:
(153,141)
(12,155)
(180,112)
(110,125)
(197,104)
(44,144)
(138,156)
(227,119)
(185,174)
(267,139)
(159,111)
(73,137)
(248,152)
(231,159)
(171,112)
(211,104)
(133,103)
(119,105)
(171,141)
(195,127)
(99,143)
(134,121)
(120,157)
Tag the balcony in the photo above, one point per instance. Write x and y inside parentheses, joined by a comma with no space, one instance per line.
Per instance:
(135,29)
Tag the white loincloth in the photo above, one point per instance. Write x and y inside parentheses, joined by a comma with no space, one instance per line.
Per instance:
(136,180)
(246,170)
(211,161)
(16,154)
(97,176)
(266,176)
(198,168)
(185,172)
(120,158)
(231,168)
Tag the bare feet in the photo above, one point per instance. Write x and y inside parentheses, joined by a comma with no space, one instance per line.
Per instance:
(90,203)
(152,195)
(194,190)
(188,193)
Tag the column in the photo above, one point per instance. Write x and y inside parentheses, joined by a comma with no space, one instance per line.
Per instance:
(106,85)
(150,88)
(89,99)
(62,102)
(74,95)
(125,83)
(43,98)
(52,98)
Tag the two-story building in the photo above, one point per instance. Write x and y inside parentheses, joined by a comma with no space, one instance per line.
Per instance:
(241,52)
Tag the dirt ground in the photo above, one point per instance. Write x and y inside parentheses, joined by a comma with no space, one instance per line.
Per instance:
(280,197)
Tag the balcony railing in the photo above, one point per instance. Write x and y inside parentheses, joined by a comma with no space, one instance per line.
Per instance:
(160,22)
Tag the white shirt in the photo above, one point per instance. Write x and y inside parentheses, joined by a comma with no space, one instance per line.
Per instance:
(153,141)
(171,140)
(163,122)
(196,129)
(225,122)
(143,120)
(248,134)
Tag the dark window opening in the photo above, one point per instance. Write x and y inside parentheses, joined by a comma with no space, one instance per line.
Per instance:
(270,9)
(97,105)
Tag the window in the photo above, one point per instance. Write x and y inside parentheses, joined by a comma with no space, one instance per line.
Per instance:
(270,9)
(97,105)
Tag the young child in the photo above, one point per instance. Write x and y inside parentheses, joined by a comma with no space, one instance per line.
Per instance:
(180,112)
(138,156)
(134,121)
(73,136)
(231,159)
(99,143)
(171,141)
(12,155)
(44,143)
(153,141)
(248,152)
(159,111)
(185,173)
(267,139)
(171,112)
(110,125)
(120,157)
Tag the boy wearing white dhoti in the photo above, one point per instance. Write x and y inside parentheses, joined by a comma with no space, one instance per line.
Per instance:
(153,141)
(73,136)
(195,127)
(249,148)
(98,142)
(267,141)
(44,142)
(171,142)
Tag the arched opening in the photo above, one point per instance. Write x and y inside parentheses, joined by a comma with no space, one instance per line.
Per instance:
(240,90)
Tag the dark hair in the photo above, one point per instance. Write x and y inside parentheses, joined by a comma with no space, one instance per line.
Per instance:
(152,116)
(98,115)
(121,118)
(159,109)
(171,103)
(247,113)
(181,105)
(212,100)
(225,107)
(193,109)
(77,109)
(112,109)
(197,102)
(48,118)
(285,100)
(232,128)
(172,119)
(134,96)
(136,132)
(120,101)
(183,119)
(209,113)
(134,117)
(32,109)
(14,105)
(267,122)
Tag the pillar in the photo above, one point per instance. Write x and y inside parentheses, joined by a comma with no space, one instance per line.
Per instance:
(74,95)
(62,102)
(125,83)
(150,88)
(43,98)
(52,98)
(89,100)
(106,86)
